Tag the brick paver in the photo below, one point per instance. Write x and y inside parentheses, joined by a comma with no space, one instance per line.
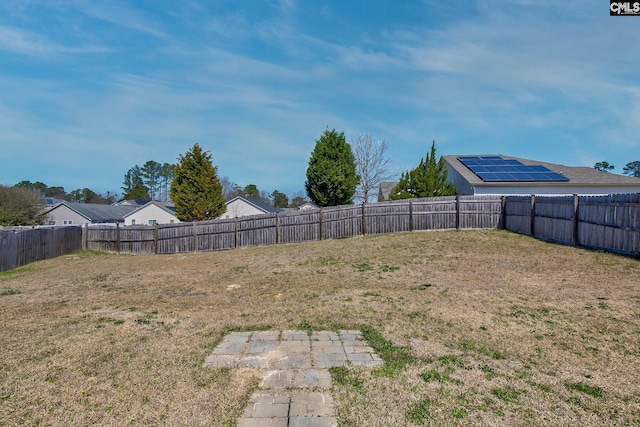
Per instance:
(292,350)
(295,389)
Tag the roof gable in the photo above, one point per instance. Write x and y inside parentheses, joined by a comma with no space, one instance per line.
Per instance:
(98,213)
(385,189)
(258,204)
(165,206)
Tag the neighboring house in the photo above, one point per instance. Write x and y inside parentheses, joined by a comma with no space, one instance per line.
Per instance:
(385,189)
(494,174)
(242,206)
(505,175)
(152,213)
(51,202)
(68,213)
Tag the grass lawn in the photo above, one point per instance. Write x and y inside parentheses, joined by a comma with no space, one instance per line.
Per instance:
(476,328)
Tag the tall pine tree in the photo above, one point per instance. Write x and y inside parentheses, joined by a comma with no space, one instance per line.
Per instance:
(429,179)
(134,188)
(195,189)
(331,175)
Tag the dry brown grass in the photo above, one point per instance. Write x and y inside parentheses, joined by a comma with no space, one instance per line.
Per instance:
(505,330)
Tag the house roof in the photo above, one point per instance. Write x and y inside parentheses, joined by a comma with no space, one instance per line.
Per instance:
(258,204)
(98,213)
(385,189)
(131,202)
(577,175)
(165,206)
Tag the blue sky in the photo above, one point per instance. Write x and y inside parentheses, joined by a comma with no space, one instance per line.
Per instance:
(90,88)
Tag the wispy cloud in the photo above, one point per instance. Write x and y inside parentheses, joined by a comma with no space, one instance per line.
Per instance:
(257,84)
(28,43)
(123,17)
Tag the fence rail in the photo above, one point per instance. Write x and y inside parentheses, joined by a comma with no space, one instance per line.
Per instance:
(603,222)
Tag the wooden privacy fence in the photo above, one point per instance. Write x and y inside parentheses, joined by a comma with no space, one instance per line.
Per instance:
(437,213)
(610,223)
(20,247)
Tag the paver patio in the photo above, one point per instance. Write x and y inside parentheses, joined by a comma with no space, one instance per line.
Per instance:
(294,391)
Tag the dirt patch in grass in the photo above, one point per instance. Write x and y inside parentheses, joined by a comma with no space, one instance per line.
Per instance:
(492,327)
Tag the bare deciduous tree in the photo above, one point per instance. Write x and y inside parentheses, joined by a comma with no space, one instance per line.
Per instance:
(372,164)
(228,188)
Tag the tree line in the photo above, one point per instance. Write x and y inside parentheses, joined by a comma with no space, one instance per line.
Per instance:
(339,172)
(631,168)
(336,175)
(80,195)
(152,180)
(148,182)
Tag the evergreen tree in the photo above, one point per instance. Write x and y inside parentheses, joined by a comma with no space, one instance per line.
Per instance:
(429,179)
(279,200)
(195,188)
(632,168)
(138,192)
(603,166)
(57,192)
(166,175)
(25,184)
(331,175)
(251,191)
(86,195)
(152,174)
(134,188)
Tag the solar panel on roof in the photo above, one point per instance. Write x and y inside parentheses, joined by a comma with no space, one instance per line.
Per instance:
(497,168)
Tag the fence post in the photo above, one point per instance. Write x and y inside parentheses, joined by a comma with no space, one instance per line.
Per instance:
(320,225)
(410,215)
(85,237)
(457,212)
(532,226)
(503,212)
(277,234)
(155,238)
(364,221)
(195,236)
(576,201)
(117,237)
(235,233)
